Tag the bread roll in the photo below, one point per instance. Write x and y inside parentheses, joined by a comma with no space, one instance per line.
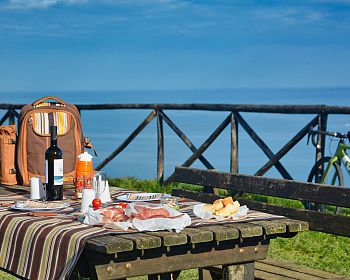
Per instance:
(218,204)
(227,200)
(224,212)
(209,207)
(228,210)
(236,204)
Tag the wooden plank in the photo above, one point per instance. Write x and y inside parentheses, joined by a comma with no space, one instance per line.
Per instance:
(160,150)
(272,227)
(196,235)
(185,139)
(158,263)
(321,139)
(222,233)
(256,108)
(247,229)
(263,275)
(170,238)
(300,268)
(12,115)
(263,146)
(234,144)
(128,140)
(294,225)
(292,274)
(279,269)
(324,222)
(109,244)
(286,148)
(144,241)
(324,194)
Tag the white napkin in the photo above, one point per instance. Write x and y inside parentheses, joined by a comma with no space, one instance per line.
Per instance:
(202,213)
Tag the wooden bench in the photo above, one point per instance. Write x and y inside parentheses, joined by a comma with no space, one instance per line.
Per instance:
(212,180)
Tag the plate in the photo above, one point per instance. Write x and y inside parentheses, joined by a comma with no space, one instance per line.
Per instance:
(134,197)
(20,206)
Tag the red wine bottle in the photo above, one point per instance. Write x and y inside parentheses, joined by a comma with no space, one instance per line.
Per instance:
(54,168)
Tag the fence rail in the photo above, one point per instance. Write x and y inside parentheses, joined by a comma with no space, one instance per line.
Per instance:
(234,119)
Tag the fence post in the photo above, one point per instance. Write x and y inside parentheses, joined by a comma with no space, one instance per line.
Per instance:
(11,117)
(160,153)
(234,144)
(321,141)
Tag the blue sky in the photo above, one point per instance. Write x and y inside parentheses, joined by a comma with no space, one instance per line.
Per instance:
(173,44)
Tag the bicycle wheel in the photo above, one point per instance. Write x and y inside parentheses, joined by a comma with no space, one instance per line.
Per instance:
(335,177)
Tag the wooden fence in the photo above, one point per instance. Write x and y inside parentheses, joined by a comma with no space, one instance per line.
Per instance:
(318,118)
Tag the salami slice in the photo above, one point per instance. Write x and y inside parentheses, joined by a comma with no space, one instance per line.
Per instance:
(147,213)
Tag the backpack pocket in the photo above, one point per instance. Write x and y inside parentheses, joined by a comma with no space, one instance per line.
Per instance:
(7,155)
(41,122)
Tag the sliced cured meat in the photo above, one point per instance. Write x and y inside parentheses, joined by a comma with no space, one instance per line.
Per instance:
(147,213)
(114,214)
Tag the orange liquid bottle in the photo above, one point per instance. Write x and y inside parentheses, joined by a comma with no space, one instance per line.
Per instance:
(83,170)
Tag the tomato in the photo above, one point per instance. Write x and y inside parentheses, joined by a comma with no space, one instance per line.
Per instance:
(122,204)
(96,203)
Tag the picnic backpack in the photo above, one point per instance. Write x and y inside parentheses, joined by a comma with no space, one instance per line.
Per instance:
(34,137)
(7,155)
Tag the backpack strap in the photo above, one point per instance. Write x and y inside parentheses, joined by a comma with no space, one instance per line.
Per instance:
(41,100)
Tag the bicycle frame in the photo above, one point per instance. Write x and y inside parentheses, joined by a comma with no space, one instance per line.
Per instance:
(339,157)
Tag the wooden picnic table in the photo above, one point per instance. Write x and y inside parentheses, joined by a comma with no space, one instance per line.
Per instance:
(163,254)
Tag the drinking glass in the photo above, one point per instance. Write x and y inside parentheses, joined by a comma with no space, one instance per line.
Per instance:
(99,182)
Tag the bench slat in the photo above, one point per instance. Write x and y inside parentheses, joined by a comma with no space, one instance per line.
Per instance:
(306,270)
(266,186)
(263,275)
(287,272)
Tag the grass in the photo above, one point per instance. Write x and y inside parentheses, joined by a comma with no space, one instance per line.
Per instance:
(312,249)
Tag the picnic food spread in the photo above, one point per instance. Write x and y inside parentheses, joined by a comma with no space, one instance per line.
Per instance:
(223,207)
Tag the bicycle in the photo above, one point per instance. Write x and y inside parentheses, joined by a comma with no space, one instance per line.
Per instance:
(327,170)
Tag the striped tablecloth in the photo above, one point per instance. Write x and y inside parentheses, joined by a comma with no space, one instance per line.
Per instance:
(41,247)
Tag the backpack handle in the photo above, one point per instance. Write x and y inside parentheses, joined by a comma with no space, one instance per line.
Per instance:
(41,100)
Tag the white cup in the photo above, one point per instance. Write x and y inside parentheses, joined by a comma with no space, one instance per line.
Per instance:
(36,188)
(88,197)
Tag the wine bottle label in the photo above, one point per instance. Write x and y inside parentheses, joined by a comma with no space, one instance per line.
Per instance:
(58,172)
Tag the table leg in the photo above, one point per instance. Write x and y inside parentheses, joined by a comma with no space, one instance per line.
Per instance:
(238,272)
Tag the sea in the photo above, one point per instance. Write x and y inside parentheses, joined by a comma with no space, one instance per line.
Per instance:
(107,129)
